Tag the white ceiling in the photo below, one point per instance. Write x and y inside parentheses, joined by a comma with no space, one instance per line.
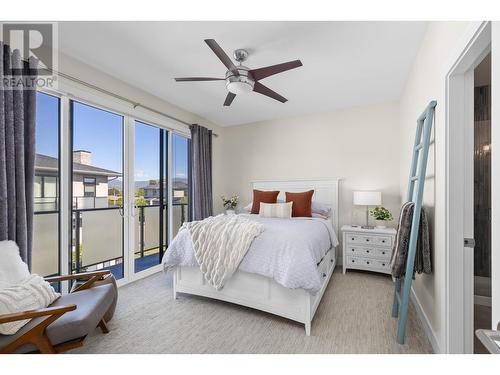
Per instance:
(345,63)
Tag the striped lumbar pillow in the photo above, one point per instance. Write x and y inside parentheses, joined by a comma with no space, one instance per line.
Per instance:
(276,210)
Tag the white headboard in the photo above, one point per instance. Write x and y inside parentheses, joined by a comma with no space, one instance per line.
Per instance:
(326,191)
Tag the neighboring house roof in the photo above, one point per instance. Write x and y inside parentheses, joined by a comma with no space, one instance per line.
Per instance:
(50,164)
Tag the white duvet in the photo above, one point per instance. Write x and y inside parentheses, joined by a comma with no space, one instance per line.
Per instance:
(288,251)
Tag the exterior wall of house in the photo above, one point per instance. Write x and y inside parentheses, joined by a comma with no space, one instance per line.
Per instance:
(101,196)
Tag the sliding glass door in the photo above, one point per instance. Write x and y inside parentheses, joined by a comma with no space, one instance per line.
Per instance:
(46,249)
(150,209)
(97,190)
(110,190)
(180,182)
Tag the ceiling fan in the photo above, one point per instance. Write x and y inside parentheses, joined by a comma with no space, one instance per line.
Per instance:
(241,79)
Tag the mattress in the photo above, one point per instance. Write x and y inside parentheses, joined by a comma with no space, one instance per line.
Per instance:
(288,251)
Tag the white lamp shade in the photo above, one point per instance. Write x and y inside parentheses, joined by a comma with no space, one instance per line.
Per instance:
(367,198)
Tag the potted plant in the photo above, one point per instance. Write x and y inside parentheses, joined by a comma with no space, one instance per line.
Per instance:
(381,216)
(230,204)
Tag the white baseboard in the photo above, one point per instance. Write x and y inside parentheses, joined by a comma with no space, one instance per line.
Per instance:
(429,332)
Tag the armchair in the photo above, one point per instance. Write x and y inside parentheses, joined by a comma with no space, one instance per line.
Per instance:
(65,323)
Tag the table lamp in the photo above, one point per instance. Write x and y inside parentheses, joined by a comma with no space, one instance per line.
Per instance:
(367,198)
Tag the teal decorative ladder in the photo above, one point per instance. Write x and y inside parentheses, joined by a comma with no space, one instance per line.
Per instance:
(417,177)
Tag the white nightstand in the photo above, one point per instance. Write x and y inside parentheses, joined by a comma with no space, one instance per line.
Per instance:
(367,249)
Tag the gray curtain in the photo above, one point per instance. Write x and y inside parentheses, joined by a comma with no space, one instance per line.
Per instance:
(201,172)
(17,150)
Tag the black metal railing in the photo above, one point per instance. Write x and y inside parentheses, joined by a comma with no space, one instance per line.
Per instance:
(146,242)
(78,264)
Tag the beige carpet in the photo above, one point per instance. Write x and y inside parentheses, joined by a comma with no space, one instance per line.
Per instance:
(353,317)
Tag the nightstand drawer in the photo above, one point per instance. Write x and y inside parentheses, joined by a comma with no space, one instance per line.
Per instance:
(369,240)
(359,239)
(369,264)
(384,254)
(365,262)
(383,240)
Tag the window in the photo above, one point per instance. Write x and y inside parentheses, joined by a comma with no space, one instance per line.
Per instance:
(93,212)
(97,217)
(45,255)
(89,186)
(180,181)
(38,188)
(46,187)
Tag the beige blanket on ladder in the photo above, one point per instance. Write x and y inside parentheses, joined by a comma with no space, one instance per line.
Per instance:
(220,243)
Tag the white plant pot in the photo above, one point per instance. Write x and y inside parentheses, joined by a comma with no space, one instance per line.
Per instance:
(380,224)
(230,212)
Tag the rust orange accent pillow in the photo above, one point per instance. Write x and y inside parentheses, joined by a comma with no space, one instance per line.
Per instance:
(264,197)
(302,203)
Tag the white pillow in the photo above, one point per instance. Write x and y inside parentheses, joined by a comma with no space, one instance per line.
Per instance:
(32,293)
(12,269)
(276,210)
(321,209)
(249,206)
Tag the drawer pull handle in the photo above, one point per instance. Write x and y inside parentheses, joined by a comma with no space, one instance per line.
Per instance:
(367,240)
(352,239)
(352,249)
(352,260)
(324,274)
(331,260)
(383,241)
(367,262)
(383,264)
(383,252)
(367,251)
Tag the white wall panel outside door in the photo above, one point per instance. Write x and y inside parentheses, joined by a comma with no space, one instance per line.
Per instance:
(495,172)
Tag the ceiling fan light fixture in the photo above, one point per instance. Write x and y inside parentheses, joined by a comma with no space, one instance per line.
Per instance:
(239,87)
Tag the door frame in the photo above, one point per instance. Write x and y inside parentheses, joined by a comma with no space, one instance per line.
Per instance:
(459,81)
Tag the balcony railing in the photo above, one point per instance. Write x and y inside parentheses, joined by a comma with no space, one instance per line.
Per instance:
(98,238)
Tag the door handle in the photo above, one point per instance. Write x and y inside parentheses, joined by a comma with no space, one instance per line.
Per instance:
(132,208)
(469,242)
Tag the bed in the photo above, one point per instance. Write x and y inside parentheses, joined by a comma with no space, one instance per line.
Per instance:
(292,288)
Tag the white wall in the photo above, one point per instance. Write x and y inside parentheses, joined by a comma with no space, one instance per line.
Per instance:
(425,83)
(96,77)
(359,145)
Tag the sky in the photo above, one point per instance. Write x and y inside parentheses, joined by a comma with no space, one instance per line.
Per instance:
(101,132)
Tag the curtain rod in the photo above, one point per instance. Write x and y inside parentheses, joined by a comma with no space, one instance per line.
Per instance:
(117,96)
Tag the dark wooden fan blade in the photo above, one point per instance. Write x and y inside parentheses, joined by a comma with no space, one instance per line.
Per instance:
(191,79)
(229,99)
(261,89)
(222,56)
(274,69)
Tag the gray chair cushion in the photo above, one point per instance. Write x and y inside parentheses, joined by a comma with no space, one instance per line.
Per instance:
(91,304)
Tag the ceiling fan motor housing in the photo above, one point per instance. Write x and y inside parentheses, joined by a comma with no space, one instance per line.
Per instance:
(239,84)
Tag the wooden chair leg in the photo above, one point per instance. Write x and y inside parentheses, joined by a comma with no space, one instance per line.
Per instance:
(103,326)
(44,345)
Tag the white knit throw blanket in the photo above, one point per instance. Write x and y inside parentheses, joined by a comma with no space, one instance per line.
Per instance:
(31,294)
(220,243)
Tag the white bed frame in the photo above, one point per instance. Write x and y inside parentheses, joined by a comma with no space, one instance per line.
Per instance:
(263,293)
